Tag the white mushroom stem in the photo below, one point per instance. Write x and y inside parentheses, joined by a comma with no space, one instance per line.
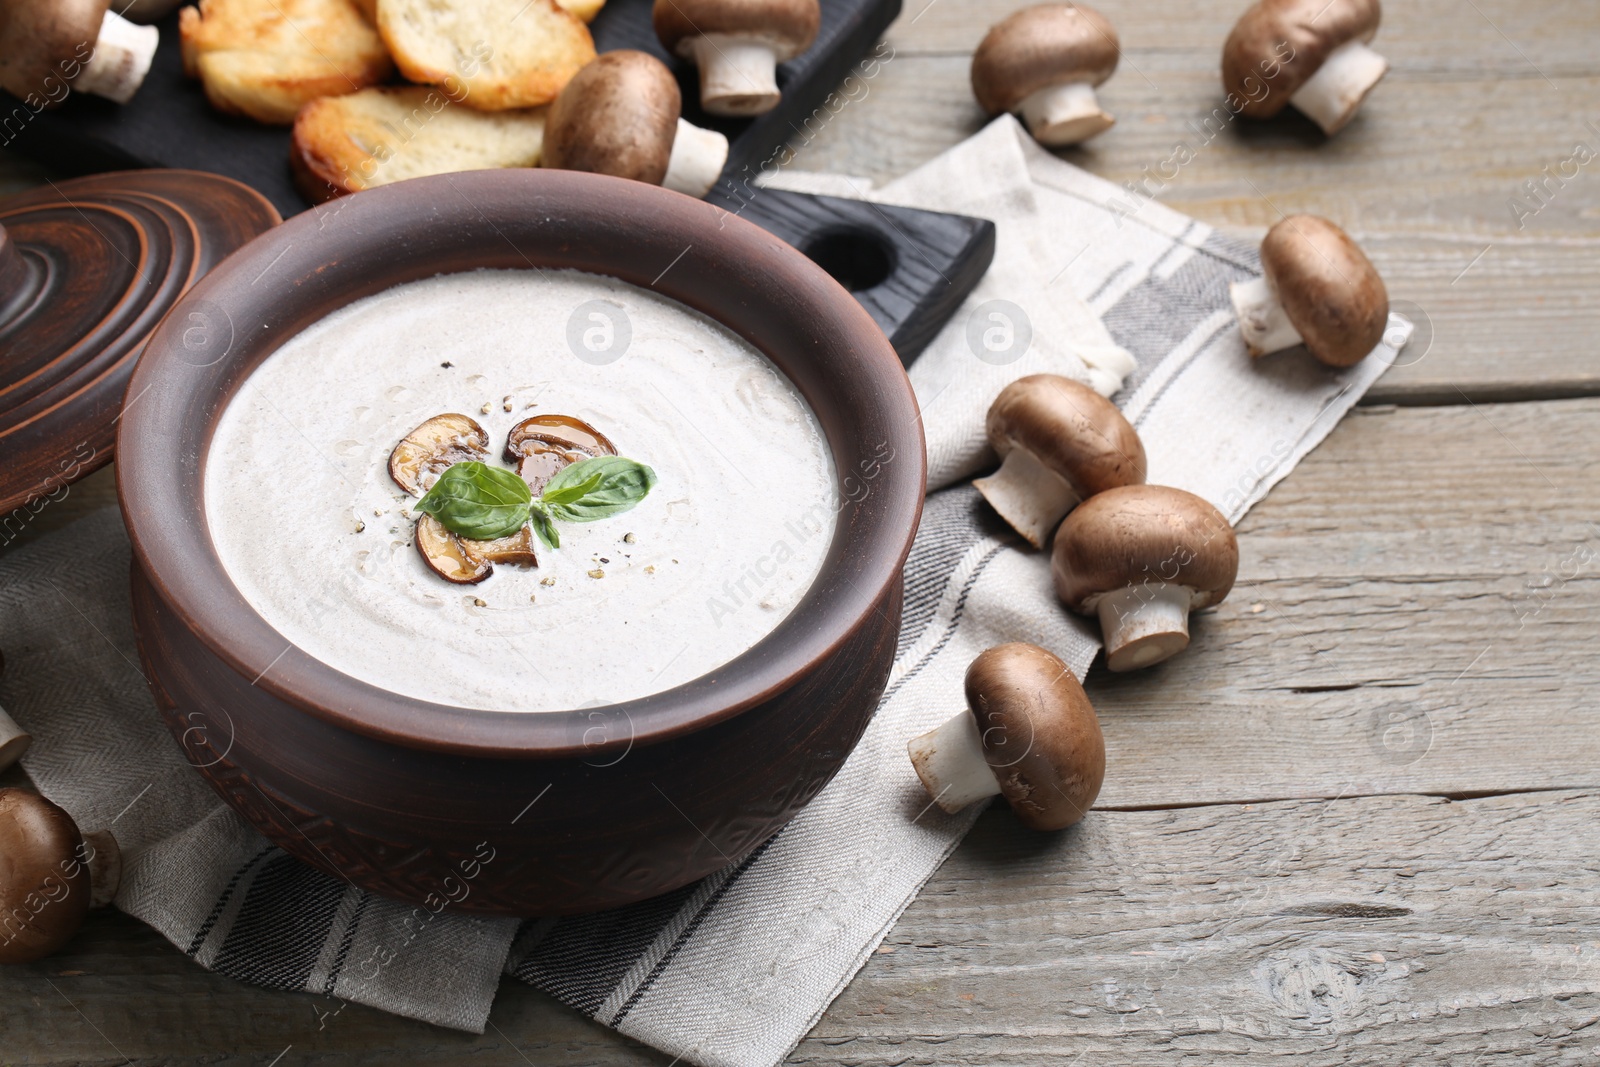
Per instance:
(950,762)
(103,856)
(697,159)
(1331,95)
(1030,496)
(1064,114)
(1262,320)
(14,740)
(1144,624)
(738,75)
(121,59)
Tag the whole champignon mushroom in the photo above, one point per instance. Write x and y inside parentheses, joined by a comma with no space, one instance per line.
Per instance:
(1142,558)
(1029,734)
(1045,62)
(50,875)
(619,115)
(47,44)
(1317,287)
(737,45)
(1309,53)
(1060,442)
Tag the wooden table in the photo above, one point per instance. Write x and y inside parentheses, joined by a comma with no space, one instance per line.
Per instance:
(1357,821)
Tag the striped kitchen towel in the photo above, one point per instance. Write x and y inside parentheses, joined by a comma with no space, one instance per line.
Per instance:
(1089,280)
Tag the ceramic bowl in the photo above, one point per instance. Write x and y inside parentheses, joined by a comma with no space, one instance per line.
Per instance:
(495,812)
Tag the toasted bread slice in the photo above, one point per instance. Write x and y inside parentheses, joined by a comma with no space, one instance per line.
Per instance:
(343,144)
(584,9)
(491,54)
(265,58)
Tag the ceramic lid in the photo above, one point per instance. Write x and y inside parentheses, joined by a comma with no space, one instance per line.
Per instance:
(88,267)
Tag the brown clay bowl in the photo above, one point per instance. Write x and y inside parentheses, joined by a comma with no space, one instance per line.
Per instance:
(494,812)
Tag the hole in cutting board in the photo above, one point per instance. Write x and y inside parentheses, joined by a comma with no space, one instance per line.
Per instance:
(857,259)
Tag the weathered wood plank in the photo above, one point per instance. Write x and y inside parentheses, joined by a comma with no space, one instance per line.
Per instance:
(1491,39)
(1438,198)
(1390,930)
(1417,611)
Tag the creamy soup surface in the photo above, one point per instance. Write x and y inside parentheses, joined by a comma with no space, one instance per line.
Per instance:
(319,539)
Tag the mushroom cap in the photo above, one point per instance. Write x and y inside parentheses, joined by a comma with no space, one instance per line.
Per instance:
(787,26)
(617,116)
(1041,737)
(44,887)
(36,39)
(1311,29)
(1143,533)
(1073,430)
(1329,289)
(1041,46)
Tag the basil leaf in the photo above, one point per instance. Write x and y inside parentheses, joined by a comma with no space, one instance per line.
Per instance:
(544,526)
(478,501)
(596,488)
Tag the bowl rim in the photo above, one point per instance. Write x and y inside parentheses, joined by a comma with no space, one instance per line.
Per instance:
(685,249)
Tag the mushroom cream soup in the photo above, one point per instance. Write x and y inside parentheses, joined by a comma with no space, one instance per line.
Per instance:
(320,540)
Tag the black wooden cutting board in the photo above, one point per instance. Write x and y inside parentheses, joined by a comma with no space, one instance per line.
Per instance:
(909,268)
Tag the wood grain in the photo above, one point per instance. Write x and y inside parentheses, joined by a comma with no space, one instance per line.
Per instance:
(1424,177)
(1395,930)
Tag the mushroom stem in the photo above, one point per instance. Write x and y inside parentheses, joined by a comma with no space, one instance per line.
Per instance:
(121,59)
(1064,114)
(1262,320)
(738,75)
(1144,624)
(103,856)
(1331,95)
(1030,496)
(697,159)
(14,740)
(951,764)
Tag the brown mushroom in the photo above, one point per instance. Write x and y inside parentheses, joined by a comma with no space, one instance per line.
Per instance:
(737,44)
(619,115)
(1312,54)
(1045,62)
(433,448)
(540,446)
(50,875)
(465,561)
(1060,442)
(1316,287)
(47,46)
(1141,558)
(1029,734)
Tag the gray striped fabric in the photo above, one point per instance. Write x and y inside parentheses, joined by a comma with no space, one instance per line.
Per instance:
(735,969)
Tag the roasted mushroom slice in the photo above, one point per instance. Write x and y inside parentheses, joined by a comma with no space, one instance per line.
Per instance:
(516,550)
(446,556)
(542,445)
(432,448)
(468,562)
